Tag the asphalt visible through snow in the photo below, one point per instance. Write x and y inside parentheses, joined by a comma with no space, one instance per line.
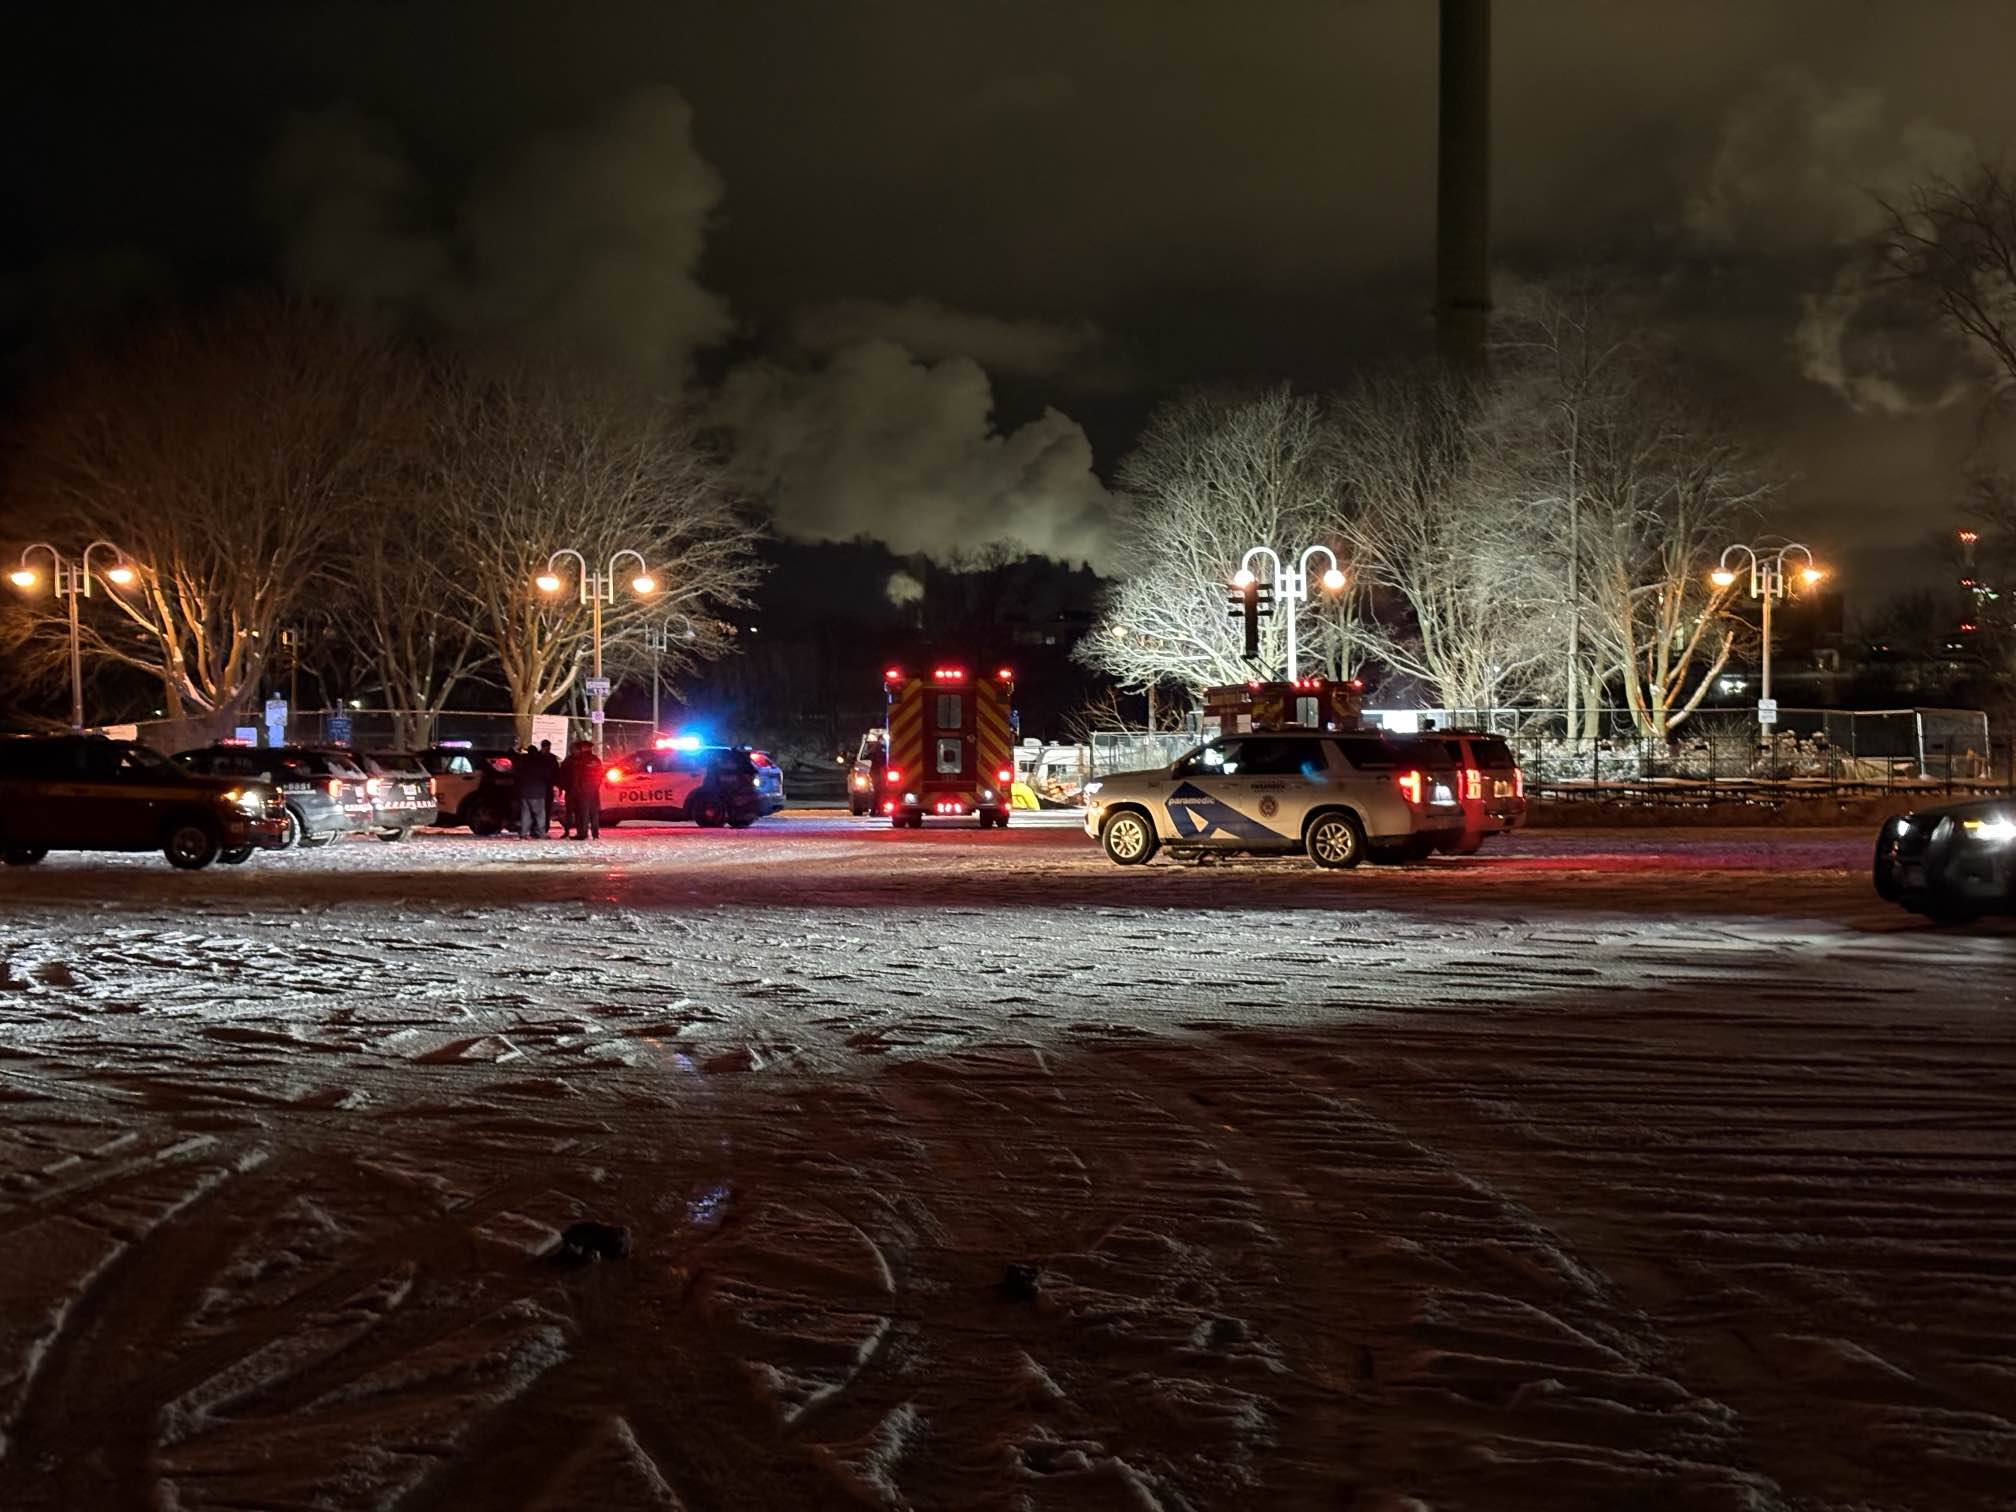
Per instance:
(1662,1168)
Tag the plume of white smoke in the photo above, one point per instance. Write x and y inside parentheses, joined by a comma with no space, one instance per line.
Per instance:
(1803,165)
(1802,171)
(933,331)
(877,443)
(587,240)
(902,588)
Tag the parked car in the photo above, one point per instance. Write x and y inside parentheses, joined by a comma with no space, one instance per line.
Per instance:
(83,792)
(325,789)
(1953,863)
(1334,797)
(709,785)
(401,791)
(472,788)
(1490,786)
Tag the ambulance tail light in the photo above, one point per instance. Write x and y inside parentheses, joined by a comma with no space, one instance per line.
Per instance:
(892,674)
(948,674)
(1004,674)
(892,775)
(1473,784)
(1005,776)
(1413,786)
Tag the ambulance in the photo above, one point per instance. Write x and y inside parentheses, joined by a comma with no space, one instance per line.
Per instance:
(948,746)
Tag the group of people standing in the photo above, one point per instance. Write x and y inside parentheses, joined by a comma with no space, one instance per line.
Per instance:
(540,774)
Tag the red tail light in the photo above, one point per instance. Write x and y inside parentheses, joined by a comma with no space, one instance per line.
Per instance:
(334,787)
(433,788)
(892,775)
(1518,783)
(892,674)
(1412,785)
(1473,783)
(947,674)
(373,786)
(889,808)
(1005,776)
(614,774)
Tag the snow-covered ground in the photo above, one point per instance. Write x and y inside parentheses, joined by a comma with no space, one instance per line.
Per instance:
(1622,1171)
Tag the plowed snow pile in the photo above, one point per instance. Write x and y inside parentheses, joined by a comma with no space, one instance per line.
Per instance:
(1599,1171)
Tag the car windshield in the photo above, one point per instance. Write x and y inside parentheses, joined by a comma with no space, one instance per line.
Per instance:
(139,760)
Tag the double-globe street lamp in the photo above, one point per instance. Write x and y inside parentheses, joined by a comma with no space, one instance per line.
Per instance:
(1767,584)
(1291,587)
(596,589)
(71,580)
(658,640)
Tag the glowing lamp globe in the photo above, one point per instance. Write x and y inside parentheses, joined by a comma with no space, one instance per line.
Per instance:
(547,583)
(644,583)
(1722,577)
(1243,578)
(1333,580)
(22,578)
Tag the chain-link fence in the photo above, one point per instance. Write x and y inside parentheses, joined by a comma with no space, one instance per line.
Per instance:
(385,730)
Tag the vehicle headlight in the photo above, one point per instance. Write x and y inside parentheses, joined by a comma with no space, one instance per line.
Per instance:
(1092,789)
(251,800)
(1997,831)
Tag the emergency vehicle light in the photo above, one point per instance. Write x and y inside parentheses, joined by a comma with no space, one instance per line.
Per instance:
(892,674)
(1473,783)
(1004,674)
(1412,785)
(614,774)
(892,775)
(947,674)
(372,785)
(1005,776)
(334,787)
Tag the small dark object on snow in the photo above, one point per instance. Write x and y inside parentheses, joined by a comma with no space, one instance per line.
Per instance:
(1021,1283)
(585,1241)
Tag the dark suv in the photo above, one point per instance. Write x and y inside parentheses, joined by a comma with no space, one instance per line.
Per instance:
(1492,787)
(82,792)
(401,791)
(325,790)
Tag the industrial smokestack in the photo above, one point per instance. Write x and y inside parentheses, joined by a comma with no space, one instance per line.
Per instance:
(1463,185)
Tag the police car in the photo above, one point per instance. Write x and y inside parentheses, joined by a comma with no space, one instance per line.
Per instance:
(1951,864)
(681,779)
(1337,797)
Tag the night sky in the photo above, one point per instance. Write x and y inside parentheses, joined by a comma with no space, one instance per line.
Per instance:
(857,231)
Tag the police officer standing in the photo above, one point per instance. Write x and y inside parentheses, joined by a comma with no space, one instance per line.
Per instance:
(534,773)
(581,775)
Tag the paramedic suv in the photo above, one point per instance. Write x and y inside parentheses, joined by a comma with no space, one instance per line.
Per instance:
(1336,797)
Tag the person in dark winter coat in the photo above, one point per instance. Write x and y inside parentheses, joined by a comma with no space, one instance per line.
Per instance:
(533,772)
(581,776)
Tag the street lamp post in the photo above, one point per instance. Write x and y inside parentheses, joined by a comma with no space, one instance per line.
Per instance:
(1291,587)
(1767,583)
(596,589)
(658,640)
(70,580)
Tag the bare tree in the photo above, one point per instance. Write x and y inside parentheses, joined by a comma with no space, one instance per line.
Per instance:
(1664,494)
(1443,532)
(224,452)
(536,460)
(1954,244)
(1213,475)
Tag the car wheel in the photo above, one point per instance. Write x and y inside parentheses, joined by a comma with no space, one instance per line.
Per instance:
(1128,839)
(1335,840)
(236,855)
(292,830)
(485,819)
(707,812)
(190,844)
(23,855)
(393,836)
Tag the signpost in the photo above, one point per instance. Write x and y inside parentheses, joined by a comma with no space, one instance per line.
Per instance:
(598,687)
(276,721)
(1767,711)
(338,729)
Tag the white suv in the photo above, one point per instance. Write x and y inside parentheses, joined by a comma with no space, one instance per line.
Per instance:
(1336,798)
